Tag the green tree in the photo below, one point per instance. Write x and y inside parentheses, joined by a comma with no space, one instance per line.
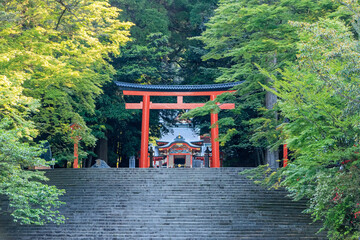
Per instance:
(319,94)
(146,63)
(244,33)
(53,62)
(60,50)
(30,200)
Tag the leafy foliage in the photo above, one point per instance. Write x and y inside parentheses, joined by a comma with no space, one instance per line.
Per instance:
(53,61)
(319,94)
(31,201)
(60,50)
(327,112)
(316,81)
(248,33)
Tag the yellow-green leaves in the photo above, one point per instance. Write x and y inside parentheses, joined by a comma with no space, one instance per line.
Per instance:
(53,61)
(59,50)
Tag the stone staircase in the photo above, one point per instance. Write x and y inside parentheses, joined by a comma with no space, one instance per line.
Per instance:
(198,203)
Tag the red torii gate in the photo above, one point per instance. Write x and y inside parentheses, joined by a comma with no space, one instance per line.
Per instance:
(179,91)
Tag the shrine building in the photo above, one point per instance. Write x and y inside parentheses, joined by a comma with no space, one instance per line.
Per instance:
(182,147)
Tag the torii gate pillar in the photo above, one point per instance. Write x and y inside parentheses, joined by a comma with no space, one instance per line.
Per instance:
(143,163)
(215,159)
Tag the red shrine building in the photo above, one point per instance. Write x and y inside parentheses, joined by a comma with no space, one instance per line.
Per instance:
(182,147)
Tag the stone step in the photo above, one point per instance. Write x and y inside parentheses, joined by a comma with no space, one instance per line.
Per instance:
(167,204)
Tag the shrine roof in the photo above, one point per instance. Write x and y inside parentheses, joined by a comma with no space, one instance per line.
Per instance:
(178,139)
(176,88)
(187,132)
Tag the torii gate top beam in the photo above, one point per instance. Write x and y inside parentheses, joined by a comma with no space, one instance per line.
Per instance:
(180,91)
(175,90)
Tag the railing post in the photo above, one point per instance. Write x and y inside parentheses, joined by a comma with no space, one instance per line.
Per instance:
(207,156)
(151,152)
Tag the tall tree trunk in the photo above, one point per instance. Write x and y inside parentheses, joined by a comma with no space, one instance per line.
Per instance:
(101,149)
(89,159)
(259,156)
(271,157)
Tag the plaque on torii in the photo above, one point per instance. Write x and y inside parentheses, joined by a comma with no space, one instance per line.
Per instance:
(179,91)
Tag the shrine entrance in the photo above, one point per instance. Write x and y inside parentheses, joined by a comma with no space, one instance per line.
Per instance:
(180,161)
(146,91)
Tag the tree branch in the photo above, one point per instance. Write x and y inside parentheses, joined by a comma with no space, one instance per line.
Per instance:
(62,14)
(69,10)
(322,77)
